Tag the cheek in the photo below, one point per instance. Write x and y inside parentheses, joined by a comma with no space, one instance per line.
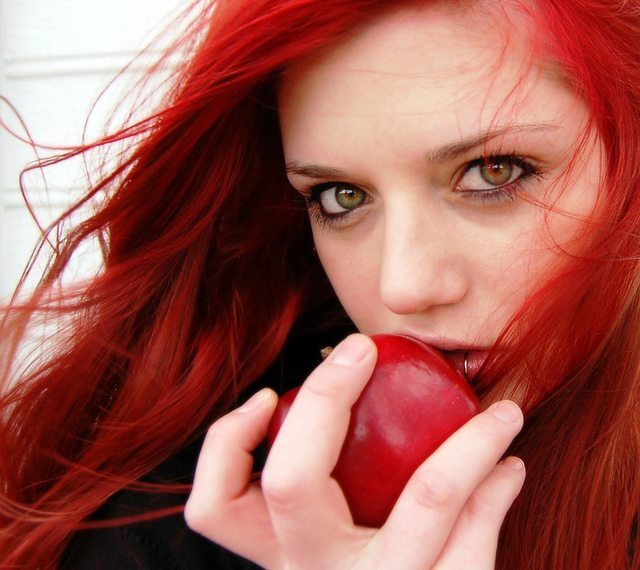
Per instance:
(576,201)
(515,272)
(558,233)
(353,270)
(507,271)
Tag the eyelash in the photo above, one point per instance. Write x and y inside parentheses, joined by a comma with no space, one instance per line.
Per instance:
(317,213)
(495,195)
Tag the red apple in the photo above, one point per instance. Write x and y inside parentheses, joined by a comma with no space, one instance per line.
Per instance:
(414,400)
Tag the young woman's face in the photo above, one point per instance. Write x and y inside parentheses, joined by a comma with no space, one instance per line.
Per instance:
(384,135)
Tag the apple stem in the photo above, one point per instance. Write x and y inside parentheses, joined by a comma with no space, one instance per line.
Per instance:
(326,351)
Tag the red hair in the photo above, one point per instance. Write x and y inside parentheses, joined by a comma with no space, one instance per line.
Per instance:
(208,269)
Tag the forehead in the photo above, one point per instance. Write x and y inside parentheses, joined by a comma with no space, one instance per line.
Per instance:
(464,29)
(470,63)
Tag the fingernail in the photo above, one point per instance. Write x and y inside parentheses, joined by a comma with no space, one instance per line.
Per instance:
(514,463)
(257,400)
(350,351)
(506,411)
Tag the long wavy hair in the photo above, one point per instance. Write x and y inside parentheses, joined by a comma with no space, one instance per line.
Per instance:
(208,268)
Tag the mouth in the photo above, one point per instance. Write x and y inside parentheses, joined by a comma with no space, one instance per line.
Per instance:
(467,359)
(467,362)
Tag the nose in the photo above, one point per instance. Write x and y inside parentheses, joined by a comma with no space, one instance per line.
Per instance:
(422,265)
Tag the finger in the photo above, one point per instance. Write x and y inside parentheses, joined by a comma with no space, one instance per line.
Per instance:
(436,493)
(307,507)
(223,505)
(474,539)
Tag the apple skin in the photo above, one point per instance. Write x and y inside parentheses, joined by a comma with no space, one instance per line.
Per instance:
(414,400)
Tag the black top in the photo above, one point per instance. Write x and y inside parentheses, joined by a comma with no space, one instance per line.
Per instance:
(160,544)
(167,543)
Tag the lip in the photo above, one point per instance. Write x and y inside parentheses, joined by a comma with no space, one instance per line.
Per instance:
(475,360)
(455,351)
(442,343)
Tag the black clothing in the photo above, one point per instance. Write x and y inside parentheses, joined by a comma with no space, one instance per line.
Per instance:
(167,543)
(161,544)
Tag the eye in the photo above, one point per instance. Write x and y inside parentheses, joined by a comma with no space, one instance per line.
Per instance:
(490,173)
(336,199)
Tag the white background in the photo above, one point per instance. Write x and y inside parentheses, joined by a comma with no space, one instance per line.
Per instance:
(55,58)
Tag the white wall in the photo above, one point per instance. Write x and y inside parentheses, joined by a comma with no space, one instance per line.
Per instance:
(55,58)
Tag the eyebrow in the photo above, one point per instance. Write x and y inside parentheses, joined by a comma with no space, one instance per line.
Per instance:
(435,156)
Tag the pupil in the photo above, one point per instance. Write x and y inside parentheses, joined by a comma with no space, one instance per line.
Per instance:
(496,173)
(348,197)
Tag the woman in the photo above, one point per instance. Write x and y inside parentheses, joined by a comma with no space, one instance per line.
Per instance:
(469,170)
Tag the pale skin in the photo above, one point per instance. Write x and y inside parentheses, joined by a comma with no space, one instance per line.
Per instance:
(434,245)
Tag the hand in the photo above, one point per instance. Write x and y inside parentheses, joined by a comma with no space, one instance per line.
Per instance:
(448,516)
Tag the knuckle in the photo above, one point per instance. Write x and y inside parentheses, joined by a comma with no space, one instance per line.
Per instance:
(480,506)
(217,430)
(198,517)
(284,493)
(213,431)
(431,488)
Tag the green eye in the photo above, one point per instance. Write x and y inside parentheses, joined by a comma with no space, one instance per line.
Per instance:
(337,199)
(495,178)
(349,197)
(496,173)
(493,172)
